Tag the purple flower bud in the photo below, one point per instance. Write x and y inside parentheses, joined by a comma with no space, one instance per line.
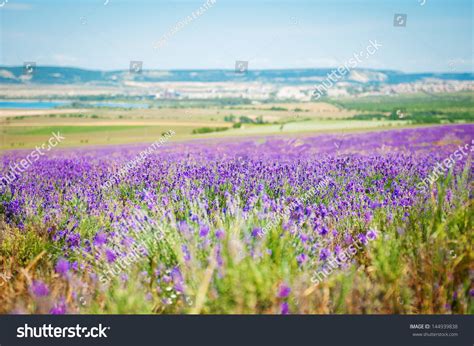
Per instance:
(301,258)
(204,231)
(39,288)
(58,308)
(362,238)
(284,291)
(110,255)
(323,231)
(220,234)
(100,239)
(324,254)
(372,234)
(256,232)
(62,267)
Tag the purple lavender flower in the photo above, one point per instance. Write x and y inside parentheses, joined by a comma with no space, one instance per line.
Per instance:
(186,254)
(220,234)
(348,239)
(284,291)
(362,238)
(301,258)
(110,255)
(256,232)
(100,239)
(59,308)
(284,308)
(324,254)
(204,231)
(323,231)
(368,216)
(39,288)
(178,280)
(372,234)
(219,259)
(62,267)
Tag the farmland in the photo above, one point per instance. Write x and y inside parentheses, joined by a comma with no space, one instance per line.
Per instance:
(197,119)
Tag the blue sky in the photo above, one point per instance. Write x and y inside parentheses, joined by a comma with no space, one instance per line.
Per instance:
(438,36)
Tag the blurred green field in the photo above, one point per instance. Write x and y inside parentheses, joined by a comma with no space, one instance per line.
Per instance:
(103,126)
(29,137)
(417,108)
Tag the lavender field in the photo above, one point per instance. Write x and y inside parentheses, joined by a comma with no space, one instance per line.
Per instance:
(376,222)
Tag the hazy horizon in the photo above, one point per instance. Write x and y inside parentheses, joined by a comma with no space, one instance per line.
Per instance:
(233,70)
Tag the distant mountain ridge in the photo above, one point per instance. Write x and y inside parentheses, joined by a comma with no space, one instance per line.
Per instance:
(70,75)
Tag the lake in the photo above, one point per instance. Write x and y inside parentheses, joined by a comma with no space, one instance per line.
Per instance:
(38,104)
(31,104)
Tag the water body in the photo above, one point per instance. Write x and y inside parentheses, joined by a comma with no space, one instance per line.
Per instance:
(31,104)
(37,104)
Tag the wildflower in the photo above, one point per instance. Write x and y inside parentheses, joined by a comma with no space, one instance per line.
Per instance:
(368,217)
(110,255)
(39,289)
(186,254)
(301,258)
(256,232)
(62,267)
(220,234)
(362,238)
(204,231)
(324,254)
(59,308)
(372,234)
(284,291)
(303,238)
(100,239)
(323,231)
(348,239)
(178,280)
(75,266)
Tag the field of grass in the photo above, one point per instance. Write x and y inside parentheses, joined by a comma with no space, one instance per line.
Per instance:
(102,126)
(18,137)
(416,109)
